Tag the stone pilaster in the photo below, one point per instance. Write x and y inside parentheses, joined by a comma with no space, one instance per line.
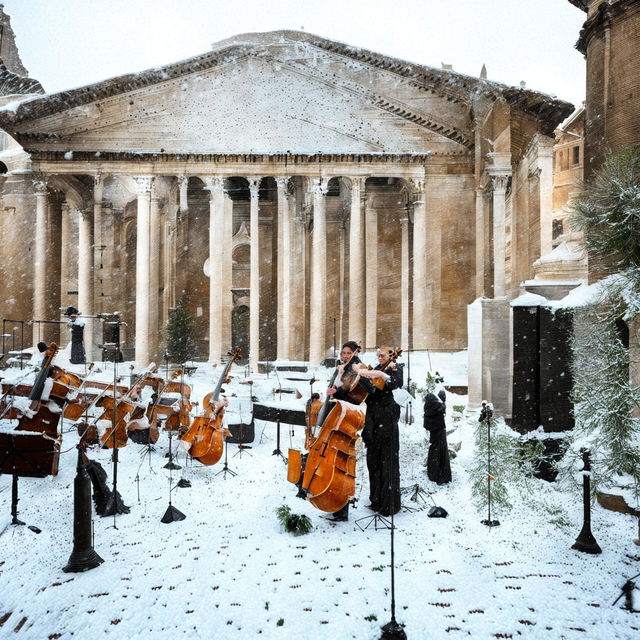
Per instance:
(215,185)
(317,327)
(298,288)
(142,341)
(356,263)
(545,165)
(254,275)
(482,241)
(499,183)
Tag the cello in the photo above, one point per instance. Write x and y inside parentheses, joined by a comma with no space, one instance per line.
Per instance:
(329,479)
(34,452)
(204,441)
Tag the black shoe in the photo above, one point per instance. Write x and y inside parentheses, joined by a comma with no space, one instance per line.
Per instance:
(334,518)
(373,507)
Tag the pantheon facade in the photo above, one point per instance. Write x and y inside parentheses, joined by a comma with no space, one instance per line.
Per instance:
(295,192)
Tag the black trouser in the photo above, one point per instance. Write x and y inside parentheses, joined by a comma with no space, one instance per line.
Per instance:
(381,438)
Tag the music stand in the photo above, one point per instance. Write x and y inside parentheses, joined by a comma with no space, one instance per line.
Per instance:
(278,415)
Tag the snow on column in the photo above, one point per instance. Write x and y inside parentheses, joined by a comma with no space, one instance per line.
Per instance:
(499,183)
(143,188)
(40,257)
(318,307)
(254,275)
(420,310)
(215,185)
(85,277)
(356,263)
(404,284)
(284,270)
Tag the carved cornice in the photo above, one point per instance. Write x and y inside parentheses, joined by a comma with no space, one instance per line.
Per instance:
(602,18)
(229,158)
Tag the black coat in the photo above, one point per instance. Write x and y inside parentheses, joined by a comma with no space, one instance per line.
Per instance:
(434,410)
(438,466)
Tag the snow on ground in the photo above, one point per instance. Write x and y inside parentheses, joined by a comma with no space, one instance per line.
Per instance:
(229,570)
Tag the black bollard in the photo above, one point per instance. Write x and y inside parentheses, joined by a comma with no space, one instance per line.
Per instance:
(83,557)
(585,541)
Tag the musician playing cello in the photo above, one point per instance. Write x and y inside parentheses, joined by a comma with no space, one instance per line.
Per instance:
(349,359)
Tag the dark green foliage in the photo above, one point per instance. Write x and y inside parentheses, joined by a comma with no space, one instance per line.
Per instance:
(292,522)
(608,211)
(180,343)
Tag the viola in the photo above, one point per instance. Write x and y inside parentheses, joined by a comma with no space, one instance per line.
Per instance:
(204,441)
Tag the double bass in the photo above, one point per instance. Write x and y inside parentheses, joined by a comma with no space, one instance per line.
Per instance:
(329,479)
(204,441)
(32,449)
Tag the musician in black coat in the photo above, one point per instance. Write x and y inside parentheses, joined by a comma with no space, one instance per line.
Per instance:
(76,325)
(381,436)
(438,466)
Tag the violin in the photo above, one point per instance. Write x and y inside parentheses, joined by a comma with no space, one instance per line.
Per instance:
(204,441)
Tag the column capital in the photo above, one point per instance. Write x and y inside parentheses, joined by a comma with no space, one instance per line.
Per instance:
(40,183)
(358,182)
(143,184)
(282,181)
(213,183)
(183,180)
(254,186)
(319,187)
(500,182)
(417,186)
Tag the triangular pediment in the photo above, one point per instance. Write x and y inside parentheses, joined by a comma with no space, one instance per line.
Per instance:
(273,93)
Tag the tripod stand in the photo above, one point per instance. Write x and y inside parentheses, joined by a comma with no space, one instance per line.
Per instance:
(225,469)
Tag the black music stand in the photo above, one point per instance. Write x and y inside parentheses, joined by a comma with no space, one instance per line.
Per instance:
(278,415)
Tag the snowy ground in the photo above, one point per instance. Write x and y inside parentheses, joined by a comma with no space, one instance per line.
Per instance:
(229,571)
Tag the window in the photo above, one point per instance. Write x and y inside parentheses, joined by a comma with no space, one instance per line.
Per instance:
(576,155)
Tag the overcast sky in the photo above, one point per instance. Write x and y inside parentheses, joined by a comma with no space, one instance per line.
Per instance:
(70,43)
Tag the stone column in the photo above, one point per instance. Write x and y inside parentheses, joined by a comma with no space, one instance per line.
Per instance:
(420,310)
(65,262)
(227,271)
(97,249)
(481,242)
(404,283)
(85,277)
(40,257)
(154,273)
(499,183)
(215,185)
(317,329)
(371,277)
(254,275)
(142,342)
(284,270)
(298,289)
(357,305)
